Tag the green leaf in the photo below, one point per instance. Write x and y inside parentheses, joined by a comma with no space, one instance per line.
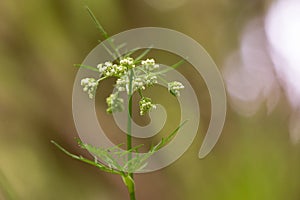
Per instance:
(102,31)
(132,51)
(167,139)
(98,25)
(121,46)
(108,50)
(87,67)
(93,163)
(143,54)
(111,156)
(172,67)
(160,74)
(104,154)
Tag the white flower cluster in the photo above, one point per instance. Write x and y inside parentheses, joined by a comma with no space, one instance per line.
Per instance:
(174,88)
(128,62)
(122,84)
(114,103)
(145,105)
(149,64)
(89,86)
(141,77)
(150,79)
(109,69)
(144,81)
(138,83)
(141,82)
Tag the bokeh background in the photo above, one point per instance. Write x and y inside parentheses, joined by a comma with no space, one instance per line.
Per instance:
(256,45)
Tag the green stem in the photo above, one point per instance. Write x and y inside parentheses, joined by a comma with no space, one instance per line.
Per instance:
(130,187)
(132,194)
(129,137)
(128,181)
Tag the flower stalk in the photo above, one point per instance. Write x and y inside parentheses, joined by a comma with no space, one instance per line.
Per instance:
(133,75)
(129,180)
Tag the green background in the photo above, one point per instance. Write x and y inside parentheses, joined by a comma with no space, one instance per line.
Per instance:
(40,40)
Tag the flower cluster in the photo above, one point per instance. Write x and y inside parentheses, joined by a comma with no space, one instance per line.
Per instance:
(122,84)
(127,62)
(109,69)
(144,81)
(149,64)
(114,103)
(150,79)
(140,82)
(174,88)
(145,105)
(129,72)
(89,86)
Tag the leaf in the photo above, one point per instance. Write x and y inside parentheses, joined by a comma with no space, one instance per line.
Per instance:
(171,67)
(106,155)
(121,46)
(167,139)
(142,55)
(139,161)
(102,31)
(108,50)
(96,164)
(87,67)
(97,23)
(132,51)
(111,156)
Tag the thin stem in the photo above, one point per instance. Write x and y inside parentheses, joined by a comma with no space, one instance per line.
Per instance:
(171,68)
(103,32)
(129,137)
(140,93)
(130,187)
(162,79)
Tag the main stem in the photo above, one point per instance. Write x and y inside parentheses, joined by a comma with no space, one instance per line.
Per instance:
(131,188)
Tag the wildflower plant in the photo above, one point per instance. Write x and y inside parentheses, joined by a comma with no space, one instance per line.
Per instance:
(133,75)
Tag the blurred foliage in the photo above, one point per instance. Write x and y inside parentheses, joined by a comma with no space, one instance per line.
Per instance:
(40,40)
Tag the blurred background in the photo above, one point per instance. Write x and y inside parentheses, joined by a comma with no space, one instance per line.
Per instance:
(256,45)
